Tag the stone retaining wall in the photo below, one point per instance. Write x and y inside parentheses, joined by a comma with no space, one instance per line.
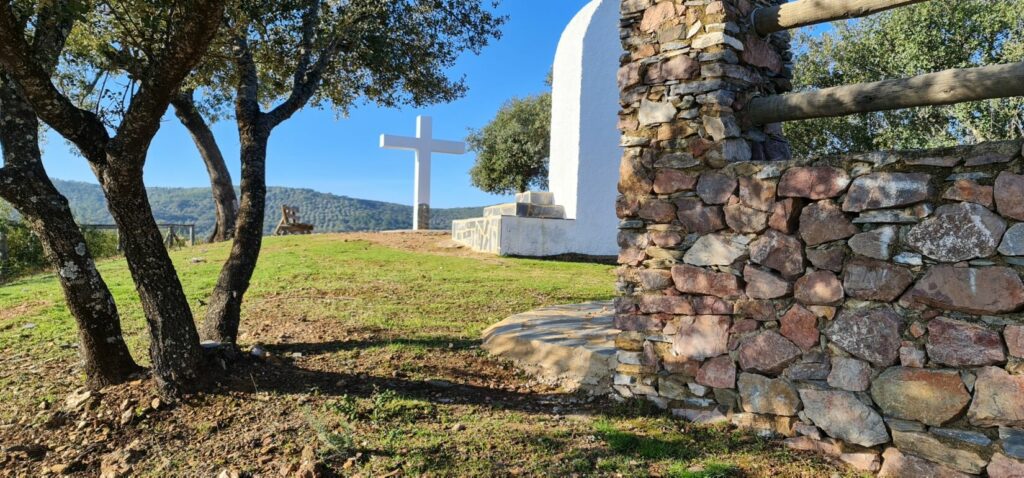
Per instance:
(865,306)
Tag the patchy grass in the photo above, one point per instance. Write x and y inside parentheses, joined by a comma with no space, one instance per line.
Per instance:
(375,362)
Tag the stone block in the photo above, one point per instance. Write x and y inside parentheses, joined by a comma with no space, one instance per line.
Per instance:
(768,396)
(933,397)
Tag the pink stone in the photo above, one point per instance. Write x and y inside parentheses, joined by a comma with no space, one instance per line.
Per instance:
(658,211)
(638,323)
(1009,195)
(879,281)
(764,285)
(761,310)
(757,193)
(827,259)
(715,188)
(985,291)
(708,305)
(702,337)
(680,365)
(719,372)
(801,327)
(633,177)
(666,239)
(1003,466)
(759,52)
(819,288)
(664,304)
(680,67)
(694,280)
(998,399)
(745,220)
(1015,339)
(698,218)
(780,252)
(671,181)
(660,13)
(970,191)
(768,353)
(632,256)
(814,182)
(823,222)
(785,215)
(957,343)
(629,75)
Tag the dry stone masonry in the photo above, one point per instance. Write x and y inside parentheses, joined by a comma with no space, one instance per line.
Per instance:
(868,306)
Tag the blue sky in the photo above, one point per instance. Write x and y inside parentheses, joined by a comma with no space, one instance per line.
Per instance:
(315,150)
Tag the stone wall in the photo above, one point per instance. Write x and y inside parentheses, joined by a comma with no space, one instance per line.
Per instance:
(864,306)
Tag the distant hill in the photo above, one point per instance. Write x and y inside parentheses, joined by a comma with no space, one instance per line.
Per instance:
(328,212)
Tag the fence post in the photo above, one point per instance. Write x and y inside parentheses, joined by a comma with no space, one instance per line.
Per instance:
(192,235)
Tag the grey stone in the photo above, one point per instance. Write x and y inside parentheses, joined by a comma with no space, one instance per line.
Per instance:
(841,415)
(958,232)
(877,244)
(850,374)
(909,259)
(1013,241)
(715,250)
(966,436)
(887,190)
(868,279)
(768,396)
(1012,441)
(652,112)
(779,252)
(720,128)
(873,335)
(931,448)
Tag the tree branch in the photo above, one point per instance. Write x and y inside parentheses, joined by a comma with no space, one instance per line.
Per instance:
(78,126)
(308,74)
(247,104)
(165,74)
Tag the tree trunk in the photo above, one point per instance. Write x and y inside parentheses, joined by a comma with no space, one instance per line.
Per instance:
(105,357)
(223,314)
(220,178)
(174,343)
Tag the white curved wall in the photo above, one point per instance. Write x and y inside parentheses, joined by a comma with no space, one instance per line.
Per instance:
(585,152)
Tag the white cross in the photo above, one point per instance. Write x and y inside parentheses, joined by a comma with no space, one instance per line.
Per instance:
(424,145)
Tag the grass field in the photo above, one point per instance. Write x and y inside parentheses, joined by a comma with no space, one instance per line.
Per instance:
(375,364)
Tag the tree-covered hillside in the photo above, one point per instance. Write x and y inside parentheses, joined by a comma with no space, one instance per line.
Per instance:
(328,212)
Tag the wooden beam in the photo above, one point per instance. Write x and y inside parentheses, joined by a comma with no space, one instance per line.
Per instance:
(934,89)
(802,13)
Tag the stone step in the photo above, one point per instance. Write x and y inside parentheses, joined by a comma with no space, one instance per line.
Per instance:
(571,346)
(537,198)
(520,209)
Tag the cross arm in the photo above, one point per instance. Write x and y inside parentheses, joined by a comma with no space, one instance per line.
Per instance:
(388,141)
(448,147)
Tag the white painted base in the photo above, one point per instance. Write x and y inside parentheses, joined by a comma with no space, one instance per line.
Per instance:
(529,237)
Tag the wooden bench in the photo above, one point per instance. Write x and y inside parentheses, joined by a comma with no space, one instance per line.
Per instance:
(290,223)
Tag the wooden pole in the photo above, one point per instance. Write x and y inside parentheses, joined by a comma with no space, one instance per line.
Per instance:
(192,235)
(802,13)
(934,89)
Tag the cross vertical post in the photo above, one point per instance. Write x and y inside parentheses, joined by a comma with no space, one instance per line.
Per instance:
(423,145)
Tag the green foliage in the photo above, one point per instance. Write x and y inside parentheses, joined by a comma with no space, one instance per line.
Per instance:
(513,149)
(25,254)
(711,470)
(924,38)
(328,212)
